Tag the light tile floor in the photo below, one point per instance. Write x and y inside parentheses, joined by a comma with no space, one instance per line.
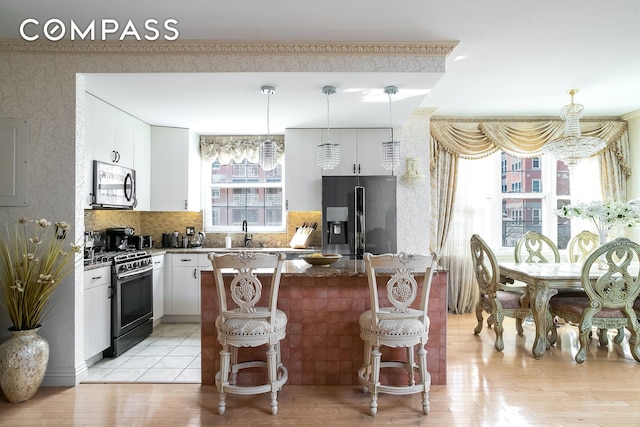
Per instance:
(170,354)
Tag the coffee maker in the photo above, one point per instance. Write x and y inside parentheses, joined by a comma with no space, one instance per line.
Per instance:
(117,238)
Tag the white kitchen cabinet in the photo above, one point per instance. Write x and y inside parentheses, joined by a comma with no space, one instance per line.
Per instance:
(114,136)
(360,151)
(158,288)
(97,311)
(142,164)
(109,131)
(182,283)
(303,178)
(175,169)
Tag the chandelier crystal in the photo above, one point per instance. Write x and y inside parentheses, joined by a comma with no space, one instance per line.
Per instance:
(268,151)
(573,147)
(390,149)
(328,154)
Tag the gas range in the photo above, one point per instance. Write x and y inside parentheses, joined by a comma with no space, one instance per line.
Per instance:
(132,261)
(119,258)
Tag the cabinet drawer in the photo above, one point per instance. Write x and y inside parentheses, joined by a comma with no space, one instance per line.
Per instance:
(184,260)
(158,261)
(96,277)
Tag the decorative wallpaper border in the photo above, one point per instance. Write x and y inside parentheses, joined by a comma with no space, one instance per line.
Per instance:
(236,47)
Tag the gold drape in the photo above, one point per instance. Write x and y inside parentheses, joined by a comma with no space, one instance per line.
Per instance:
(473,139)
(225,148)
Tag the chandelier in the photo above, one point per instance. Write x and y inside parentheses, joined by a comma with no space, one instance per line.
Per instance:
(573,147)
(268,151)
(390,149)
(328,154)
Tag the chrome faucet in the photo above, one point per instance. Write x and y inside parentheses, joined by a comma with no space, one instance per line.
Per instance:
(247,236)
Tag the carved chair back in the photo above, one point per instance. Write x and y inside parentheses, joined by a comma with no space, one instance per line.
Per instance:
(581,245)
(402,288)
(245,288)
(486,267)
(535,247)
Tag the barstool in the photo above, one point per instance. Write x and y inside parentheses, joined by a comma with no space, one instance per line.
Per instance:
(248,325)
(395,324)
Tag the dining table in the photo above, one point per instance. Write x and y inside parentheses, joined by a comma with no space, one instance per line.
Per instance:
(543,281)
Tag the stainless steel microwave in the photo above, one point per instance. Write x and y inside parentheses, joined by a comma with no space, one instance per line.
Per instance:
(114,187)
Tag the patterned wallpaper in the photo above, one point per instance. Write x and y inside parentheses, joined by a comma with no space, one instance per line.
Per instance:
(42,83)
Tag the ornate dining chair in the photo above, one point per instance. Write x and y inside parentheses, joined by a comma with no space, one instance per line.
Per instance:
(391,322)
(249,325)
(494,299)
(579,248)
(610,296)
(581,245)
(536,247)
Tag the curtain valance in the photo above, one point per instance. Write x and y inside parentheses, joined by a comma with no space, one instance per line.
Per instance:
(473,139)
(225,148)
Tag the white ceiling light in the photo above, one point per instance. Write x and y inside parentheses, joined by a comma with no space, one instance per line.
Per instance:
(328,154)
(267,151)
(573,147)
(390,149)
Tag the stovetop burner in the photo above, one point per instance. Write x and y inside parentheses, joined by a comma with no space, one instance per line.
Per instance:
(116,257)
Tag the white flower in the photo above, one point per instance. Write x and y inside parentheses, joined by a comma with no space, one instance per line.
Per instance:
(604,215)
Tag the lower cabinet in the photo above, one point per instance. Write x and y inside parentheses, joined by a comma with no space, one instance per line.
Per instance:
(158,288)
(97,311)
(182,292)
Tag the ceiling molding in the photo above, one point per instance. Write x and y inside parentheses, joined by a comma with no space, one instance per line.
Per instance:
(236,48)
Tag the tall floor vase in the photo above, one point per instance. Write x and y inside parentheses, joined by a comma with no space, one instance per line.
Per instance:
(23,363)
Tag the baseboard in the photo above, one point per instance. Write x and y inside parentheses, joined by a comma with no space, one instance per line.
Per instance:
(65,377)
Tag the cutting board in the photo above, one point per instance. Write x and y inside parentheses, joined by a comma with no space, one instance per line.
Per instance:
(302,237)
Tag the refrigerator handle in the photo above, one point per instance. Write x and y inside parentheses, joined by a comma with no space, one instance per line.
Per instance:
(360,217)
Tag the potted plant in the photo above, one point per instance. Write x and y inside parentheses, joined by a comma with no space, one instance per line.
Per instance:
(34,258)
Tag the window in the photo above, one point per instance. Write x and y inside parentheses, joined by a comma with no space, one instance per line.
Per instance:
(243,191)
(536,185)
(526,206)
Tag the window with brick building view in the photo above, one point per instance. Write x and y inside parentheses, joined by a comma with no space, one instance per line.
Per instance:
(243,191)
(531,188)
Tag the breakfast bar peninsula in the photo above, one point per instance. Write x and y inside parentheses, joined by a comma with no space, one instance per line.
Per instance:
(323,304)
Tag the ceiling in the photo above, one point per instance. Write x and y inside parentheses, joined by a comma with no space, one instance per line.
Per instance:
(512,60)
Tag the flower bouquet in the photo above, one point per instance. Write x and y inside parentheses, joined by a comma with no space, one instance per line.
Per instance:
(34,258)
(604,215)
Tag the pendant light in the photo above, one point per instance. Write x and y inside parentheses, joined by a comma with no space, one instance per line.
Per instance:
(390,149)
(268,151)
(328,154)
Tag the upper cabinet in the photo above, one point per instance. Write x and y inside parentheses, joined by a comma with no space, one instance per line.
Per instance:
(303,180)
(360,154)
(360,151)
(114,136)
(175,169)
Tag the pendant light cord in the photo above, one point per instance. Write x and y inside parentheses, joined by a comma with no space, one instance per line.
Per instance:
(390,125)
(328,122)
(268,105)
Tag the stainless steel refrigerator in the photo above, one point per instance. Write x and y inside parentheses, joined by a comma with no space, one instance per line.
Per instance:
(359,214)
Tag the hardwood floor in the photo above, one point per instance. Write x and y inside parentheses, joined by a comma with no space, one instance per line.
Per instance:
(484,388)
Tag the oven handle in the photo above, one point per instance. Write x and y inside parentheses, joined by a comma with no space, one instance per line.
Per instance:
(130,274)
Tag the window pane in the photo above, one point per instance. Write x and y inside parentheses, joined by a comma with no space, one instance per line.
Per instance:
(243,191)
(518,217)
(563,179)
(521,175)
(564,226)
(243,172)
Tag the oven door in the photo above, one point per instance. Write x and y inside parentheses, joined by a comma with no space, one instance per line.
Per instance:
(131,309)
(132,300)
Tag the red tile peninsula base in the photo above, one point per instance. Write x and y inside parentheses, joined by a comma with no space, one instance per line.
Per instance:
(323,344)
